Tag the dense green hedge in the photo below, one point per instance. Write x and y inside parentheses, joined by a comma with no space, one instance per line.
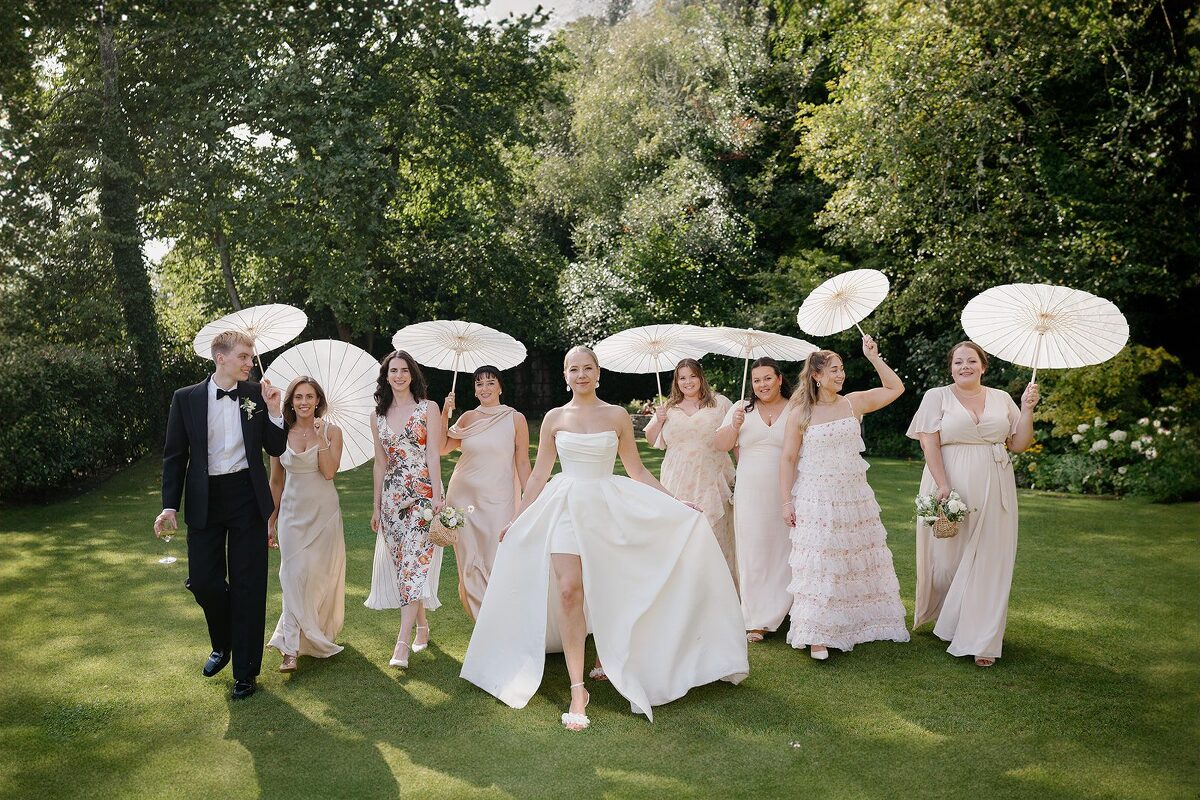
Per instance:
(65,415)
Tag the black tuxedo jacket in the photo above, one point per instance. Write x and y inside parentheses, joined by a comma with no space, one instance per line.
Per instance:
(185,454)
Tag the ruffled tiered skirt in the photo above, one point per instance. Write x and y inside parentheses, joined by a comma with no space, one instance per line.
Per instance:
(843,585)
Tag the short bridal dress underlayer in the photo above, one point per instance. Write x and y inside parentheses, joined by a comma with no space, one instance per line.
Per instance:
(659,599)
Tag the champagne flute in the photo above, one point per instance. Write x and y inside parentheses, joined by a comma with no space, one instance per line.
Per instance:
(166,537)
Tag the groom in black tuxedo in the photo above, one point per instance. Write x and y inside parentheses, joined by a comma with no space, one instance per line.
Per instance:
(212,460)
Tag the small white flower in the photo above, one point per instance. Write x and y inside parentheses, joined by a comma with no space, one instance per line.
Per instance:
(1099,444)
(1122,470)
(1144,421)
(426,513)
(470,509)
(249,407)
(1136,444)
(1076,437)
(1083,427)
(1151,452)
(1158,423)
(1118,436)
(1144,439)
(1099,422)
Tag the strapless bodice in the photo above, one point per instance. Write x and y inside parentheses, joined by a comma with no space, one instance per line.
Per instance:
(587,455)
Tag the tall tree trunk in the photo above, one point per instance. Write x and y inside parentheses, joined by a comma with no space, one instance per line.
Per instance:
(119,213)
(226,266)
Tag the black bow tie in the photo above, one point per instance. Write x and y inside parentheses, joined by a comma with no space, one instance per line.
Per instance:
(230,393)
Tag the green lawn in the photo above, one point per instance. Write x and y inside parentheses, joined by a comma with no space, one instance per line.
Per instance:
(1096,695)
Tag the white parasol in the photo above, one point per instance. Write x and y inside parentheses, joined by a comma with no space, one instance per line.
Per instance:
(456,345)
(750,344)
(1042,326)
(651,348)
(842,302)
(347,374)
(270,326)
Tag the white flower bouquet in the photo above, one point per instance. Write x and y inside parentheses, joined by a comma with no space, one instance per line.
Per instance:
(443,527)
(942,515)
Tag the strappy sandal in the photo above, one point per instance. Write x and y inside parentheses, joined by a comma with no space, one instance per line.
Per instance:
(598,673)
(754,636)
(580,721)
(288,664)
(416,648)
(395,662)
(984,661)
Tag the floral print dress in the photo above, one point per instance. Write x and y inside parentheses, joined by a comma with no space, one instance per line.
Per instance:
(406,482)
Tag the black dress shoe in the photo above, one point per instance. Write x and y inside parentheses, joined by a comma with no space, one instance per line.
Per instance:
(216,662)
(243,689)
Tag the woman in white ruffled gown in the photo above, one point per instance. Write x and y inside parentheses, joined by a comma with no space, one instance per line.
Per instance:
(844,587)
(639,568)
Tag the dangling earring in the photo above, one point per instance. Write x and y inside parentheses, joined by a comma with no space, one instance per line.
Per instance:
(568,388)
(818,384)
(597,384)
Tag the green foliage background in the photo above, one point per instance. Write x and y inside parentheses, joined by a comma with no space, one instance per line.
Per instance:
(706,161)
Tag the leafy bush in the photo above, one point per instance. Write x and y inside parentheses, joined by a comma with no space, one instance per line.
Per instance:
(64,416)
(1155,456)
(1127,387)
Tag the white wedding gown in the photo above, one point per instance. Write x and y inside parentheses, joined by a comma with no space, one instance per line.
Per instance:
(658,595)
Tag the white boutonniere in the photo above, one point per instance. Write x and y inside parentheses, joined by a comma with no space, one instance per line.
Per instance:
(249,407)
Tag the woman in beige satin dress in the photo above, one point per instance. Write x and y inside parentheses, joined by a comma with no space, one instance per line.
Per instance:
(693,469)
(966,431)
(307,529)
(763,540)
(490,475)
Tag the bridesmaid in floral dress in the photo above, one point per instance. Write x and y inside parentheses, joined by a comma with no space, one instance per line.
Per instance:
(407,429)
(693,469)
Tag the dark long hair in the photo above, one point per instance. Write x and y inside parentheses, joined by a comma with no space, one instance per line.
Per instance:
(785,388)
(383,389)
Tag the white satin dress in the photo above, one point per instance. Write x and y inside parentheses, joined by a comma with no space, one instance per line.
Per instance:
(658,595)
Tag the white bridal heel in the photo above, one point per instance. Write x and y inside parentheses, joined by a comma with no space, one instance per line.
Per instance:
(581,720)
(395,662)
(821,656)
(416,648)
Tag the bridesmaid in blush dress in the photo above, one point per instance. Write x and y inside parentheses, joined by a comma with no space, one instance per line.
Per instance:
(966,431)
(490,475)
(762,542)
(307,529)
(693,469)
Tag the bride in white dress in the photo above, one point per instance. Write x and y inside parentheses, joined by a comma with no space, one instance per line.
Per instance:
(638,568)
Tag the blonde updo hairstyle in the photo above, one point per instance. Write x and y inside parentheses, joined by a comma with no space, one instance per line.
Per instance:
(806,393)
(581,348)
